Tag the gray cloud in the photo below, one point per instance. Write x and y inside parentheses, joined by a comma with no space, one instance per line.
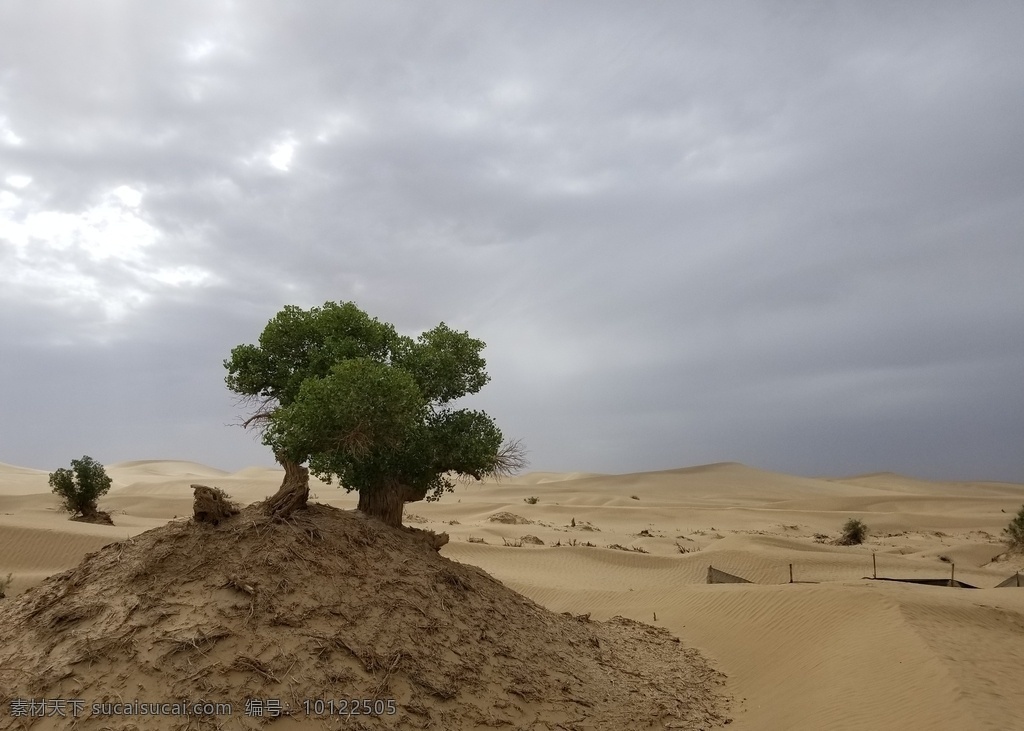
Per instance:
(785,235)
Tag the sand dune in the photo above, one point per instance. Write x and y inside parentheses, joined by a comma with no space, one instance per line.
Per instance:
(910,485)
(835,652)
(10,469)
(164,468)
(22,481)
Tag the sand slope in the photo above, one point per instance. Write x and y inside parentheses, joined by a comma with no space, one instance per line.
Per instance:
(241,610)
(842,653)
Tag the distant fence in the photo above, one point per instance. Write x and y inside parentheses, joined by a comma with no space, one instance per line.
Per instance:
(720,577)
(956,583)
(717,576)
(1014,580)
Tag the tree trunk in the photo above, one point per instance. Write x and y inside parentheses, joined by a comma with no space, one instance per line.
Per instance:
(385,502)
(293,493)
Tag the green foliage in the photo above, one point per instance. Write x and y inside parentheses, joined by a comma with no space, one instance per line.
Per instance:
(1015,532)
(360,403)
(297,345)
(81,486)
(854,533)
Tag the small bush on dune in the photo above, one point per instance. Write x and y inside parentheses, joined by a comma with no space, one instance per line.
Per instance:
(81,486)
(4,585)
(1015,532)
(532,500)
(854,533)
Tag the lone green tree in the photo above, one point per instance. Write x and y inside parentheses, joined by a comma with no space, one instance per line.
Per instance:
(1015,532)
(81,486)
(343,392)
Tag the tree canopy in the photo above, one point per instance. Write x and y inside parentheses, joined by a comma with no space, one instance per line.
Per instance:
(345,393)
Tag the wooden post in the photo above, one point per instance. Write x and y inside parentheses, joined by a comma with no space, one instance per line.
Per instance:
(952,574)
(791,573)
(874,566)
(1018,578)
(709,574)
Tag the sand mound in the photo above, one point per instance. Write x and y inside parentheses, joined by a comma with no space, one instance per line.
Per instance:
(509,518)
(330,606)
(99,517)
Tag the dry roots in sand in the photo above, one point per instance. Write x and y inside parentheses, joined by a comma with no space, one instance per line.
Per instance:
(100,517)
(212,505)
(330,604)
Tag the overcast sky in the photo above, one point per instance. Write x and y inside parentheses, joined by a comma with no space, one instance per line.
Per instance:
(785,234)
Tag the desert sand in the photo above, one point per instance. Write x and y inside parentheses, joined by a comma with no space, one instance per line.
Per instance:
(833,650)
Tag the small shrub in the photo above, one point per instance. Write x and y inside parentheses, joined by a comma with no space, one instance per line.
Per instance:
(5,585)
(533,540)
(473,539)
(684,549)
(945,559)
(532,500)
(854,533)
(1014,532)
(81,486)
(512,544)
(820,538)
